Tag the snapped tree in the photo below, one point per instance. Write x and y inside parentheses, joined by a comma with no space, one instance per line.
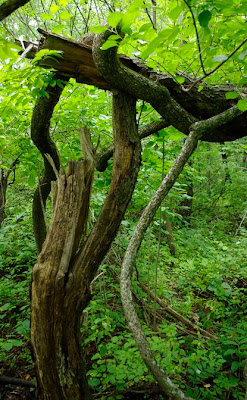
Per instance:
(69,256)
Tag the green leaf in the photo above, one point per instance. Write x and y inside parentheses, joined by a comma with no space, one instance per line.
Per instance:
(221,57)
(127,20)
(163,36)
(242,105)
(58,28)
(54,8)
(46,17)
(175,13)
(235,366)
(204,18)
(231,95)
(98,29)
(114,18)
(114,37)
(179,79)
(229,352)
(145,27)
(108,44)
(65,15)
(8,50)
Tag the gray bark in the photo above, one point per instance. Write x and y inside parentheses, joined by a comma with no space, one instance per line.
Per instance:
(197,130)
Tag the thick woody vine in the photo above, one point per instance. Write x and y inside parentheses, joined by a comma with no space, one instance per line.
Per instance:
(123,78)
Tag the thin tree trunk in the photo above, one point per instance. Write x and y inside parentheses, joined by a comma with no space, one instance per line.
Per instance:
(3,190)
(4,178)
(169,235)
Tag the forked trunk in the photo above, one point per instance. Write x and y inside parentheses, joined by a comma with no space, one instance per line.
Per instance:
(54,329)
(68,260)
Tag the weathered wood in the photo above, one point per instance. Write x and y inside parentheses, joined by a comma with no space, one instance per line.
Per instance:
(77,62)
(69,259)
(55,336)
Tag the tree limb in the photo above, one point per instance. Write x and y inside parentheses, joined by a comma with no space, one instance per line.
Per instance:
(139,86)
(40,134)
(9,380)
(9,6)
(77,62)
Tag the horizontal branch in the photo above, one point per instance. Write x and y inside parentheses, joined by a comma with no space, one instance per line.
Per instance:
(9,380)
(77,62)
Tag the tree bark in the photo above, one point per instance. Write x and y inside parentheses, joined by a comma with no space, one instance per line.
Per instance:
(68,260)
(3,188)
(9,6)
(40,134)
(156,88)
(169,235)
(197,130)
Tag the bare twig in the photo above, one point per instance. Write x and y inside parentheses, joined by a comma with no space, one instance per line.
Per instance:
(197,36)
(217,67)
(176,314)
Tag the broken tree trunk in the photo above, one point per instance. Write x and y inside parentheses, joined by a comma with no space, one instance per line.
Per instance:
(69,260)
(78,62)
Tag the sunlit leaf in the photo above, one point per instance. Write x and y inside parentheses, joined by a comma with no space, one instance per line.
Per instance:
(54,8)
(179,79)
(108,44)
(57,29)
(46,17)
(242,105)
(114,18)
(98,28)
(65,15)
